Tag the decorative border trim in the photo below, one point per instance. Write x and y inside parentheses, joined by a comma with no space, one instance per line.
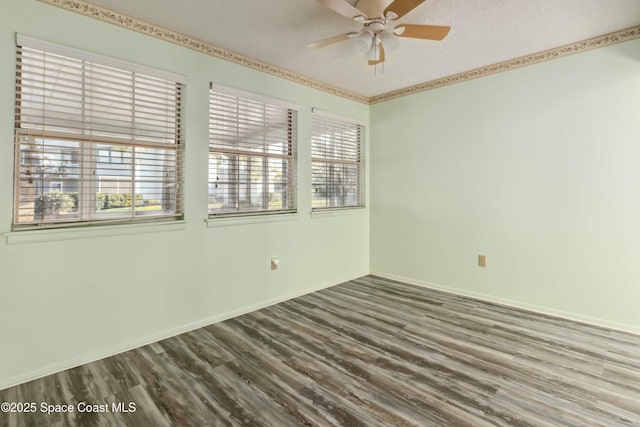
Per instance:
(106,15)
(523,61)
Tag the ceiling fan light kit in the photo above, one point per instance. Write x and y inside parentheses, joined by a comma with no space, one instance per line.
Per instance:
(377,34)
(364,41)
(390,41)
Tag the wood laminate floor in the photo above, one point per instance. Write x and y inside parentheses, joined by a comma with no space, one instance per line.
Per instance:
(370,352)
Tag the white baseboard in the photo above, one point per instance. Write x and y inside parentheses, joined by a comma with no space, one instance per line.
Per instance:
(130,345)
(150,339)
(594,321)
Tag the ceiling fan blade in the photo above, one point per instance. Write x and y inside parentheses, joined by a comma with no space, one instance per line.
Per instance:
(343,8)
(426,32)
(402,7)
(380,59)
(330,40)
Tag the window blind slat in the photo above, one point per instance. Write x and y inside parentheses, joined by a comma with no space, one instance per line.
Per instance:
(94,143)
(337,163)
(251,156)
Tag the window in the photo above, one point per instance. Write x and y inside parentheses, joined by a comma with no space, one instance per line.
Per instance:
(252,145)
(337,163)
(97,139)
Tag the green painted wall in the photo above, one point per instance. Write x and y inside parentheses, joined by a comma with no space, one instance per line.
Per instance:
(79,297)
(538,168)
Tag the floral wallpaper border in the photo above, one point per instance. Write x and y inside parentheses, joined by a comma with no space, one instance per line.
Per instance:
(106,15)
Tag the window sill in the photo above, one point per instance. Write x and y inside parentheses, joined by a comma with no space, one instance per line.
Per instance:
(52,235)
(226,221)
(330,213)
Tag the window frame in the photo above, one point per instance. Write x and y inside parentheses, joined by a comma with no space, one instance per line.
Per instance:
(291,110)
(359,162)
(82,143)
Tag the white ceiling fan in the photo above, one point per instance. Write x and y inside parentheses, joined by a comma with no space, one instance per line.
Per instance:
(376,17)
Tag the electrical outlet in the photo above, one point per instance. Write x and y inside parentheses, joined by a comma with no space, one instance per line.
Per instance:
(482,260)
(274,263)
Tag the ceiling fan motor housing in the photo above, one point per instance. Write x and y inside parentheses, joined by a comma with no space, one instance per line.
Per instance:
(376,26)
(373,8)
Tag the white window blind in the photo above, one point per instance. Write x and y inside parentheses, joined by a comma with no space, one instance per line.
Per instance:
(252,145)
(337,163)
(94,142)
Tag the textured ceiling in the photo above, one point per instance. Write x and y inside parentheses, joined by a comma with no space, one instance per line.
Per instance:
(483,32)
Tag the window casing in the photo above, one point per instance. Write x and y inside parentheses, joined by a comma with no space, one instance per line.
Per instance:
(337,162)
(252,147)
(95,142)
